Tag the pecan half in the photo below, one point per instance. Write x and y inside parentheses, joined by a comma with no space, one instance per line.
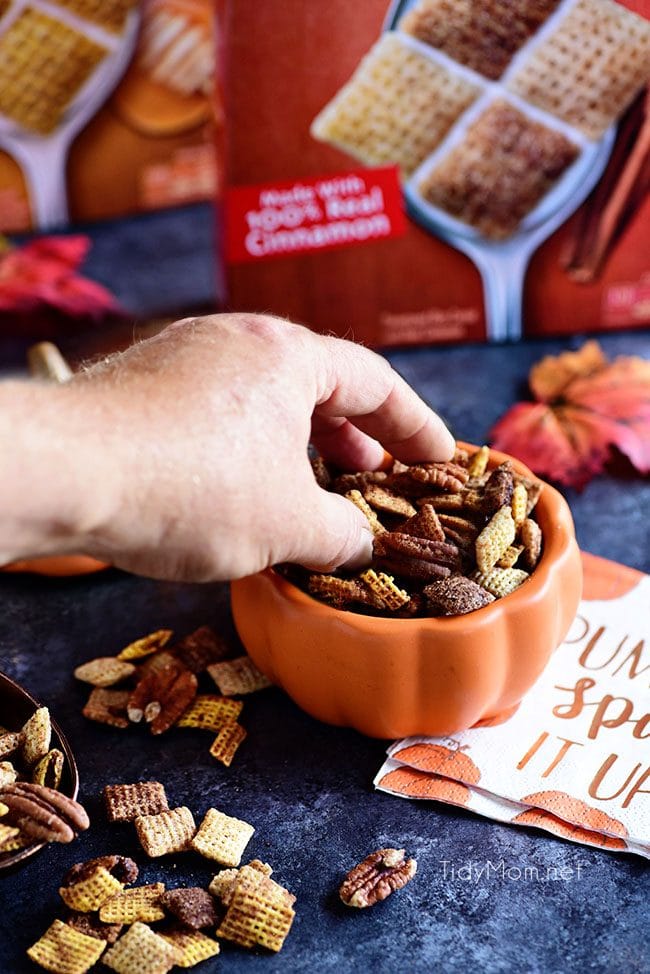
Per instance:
(42,813)
(379,875)
(161,696)
(498,489)
(450,476)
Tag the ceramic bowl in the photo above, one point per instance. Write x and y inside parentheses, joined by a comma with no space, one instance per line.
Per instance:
(16,707)
(431,676)
(58,566)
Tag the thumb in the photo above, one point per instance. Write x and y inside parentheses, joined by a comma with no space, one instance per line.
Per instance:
(331,533)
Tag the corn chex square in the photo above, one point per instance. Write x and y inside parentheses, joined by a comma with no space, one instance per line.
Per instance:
(208,711)
(397,107)
(260,912)
(89,893)
(66,951)
(139,903)
(225,744)
(169,831)
(141,951)
(147,645)
(194,946)
(222,838)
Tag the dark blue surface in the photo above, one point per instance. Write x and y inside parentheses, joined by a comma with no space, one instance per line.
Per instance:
(307,788)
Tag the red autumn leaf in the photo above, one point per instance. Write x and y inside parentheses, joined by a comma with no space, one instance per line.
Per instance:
(43,274)
(586,405)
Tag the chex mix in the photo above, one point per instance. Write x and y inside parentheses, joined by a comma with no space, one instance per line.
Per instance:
(155,681)
(32,808)
(147,928)
(449,538)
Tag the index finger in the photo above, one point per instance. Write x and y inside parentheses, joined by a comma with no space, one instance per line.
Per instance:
(361,386)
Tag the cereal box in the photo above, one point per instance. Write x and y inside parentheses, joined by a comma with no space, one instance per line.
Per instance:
(439,170)
(106,109)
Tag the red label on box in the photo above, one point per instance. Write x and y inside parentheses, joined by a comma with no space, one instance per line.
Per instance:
(310,215)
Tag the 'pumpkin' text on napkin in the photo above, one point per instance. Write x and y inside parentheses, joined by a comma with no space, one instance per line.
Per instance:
(575,757)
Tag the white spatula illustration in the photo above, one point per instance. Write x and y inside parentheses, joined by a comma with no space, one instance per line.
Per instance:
(503,263)
(43,157)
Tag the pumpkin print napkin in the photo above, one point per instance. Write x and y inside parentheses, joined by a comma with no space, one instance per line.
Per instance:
(574,759)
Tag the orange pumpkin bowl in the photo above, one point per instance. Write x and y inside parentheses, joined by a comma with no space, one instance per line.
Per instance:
(431,676)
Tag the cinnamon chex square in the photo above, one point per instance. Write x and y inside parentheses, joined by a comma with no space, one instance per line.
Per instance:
(125,802)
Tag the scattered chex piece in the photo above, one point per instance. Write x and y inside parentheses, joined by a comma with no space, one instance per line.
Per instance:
(7,833)
(137,903)
(193,945)
(107,707)
(260,911)
(384,588)
(125,802)
(169,831)
(478,463)
(64,950)
(105,671)
(141,951)
(223,884)
(210,712)
(225,744)
(36,736)
(501,581)
(359,501)
(238,676)
(494,539)
(510,556)
(519,504)
(222,838)
(192,906)
(49,770)
(10,741)
(384,499)
(92,926)
(147,645)
(91,891)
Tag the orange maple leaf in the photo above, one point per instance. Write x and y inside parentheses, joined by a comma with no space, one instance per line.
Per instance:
(585,406)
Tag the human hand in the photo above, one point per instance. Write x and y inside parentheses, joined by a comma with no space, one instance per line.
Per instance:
(190,449)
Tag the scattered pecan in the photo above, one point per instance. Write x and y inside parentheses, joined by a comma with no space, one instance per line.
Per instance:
(424,549)
(379,875)
(161,696)
(175,701)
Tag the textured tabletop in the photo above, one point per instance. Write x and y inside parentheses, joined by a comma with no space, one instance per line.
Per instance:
(307,787)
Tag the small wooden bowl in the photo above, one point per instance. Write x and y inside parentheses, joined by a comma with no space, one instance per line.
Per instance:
(431,676)
(16,707)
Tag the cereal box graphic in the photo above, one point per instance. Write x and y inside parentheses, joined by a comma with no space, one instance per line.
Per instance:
(106,108)
(515,133)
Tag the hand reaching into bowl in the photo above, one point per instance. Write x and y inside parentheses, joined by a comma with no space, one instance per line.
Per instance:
(185,457)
